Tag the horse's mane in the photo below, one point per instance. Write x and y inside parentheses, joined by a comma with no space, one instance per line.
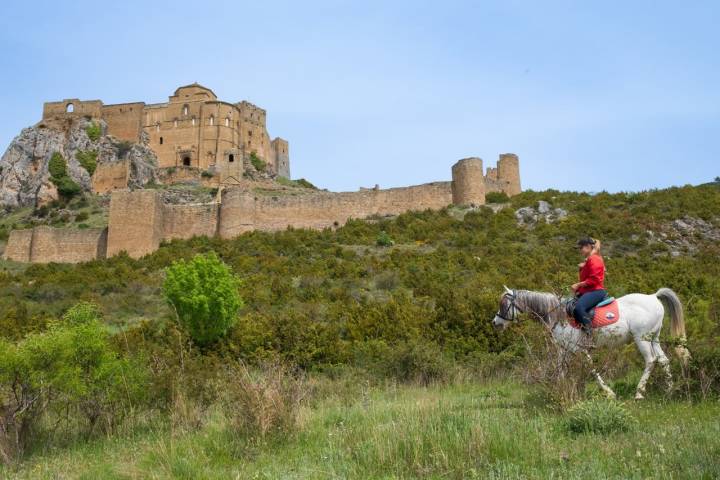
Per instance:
(542,305)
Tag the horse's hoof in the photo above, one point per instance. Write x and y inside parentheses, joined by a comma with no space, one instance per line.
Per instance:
(639,396)
(611,395)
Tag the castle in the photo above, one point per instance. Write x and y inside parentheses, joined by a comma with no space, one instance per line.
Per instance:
(192,129)
(196,131)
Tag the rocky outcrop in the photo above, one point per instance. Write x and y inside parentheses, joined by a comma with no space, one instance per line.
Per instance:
(24,176)
(529,216)
(684,235)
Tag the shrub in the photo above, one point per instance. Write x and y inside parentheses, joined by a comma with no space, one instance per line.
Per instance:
(257,162)
(88,160)
(384,240)
(305,184)
(82,216)
(93,131)
(207,174)
(263,401)
(69,368)
(496,197)
(598,416)
(418,361)
(123,148)
(57,166)
(204,294)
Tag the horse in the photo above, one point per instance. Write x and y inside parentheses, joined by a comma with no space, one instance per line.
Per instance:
(640,320)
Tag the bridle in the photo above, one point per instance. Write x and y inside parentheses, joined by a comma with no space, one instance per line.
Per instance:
(509,313)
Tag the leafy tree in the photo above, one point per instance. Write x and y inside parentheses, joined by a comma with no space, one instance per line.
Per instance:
(70,367)
(204,293)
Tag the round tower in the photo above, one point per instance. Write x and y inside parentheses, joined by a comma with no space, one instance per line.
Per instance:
(468,183)
(508,173)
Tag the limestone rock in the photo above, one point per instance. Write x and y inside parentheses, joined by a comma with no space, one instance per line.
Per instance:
(529,216)
(24,176)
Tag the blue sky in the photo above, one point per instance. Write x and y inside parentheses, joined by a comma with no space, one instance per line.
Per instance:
(591,95)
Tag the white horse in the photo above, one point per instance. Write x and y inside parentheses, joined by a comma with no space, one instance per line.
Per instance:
(641,318)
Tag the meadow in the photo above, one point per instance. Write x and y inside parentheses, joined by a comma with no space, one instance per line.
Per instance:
(365,351)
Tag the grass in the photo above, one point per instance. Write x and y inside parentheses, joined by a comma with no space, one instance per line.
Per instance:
(453,431)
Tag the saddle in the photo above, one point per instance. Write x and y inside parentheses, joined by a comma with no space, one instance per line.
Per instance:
(605,313)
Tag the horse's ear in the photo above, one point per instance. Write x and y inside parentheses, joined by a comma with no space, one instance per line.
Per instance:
(507,290)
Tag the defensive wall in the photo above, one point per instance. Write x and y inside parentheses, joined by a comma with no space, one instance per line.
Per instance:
(45,244)
(139,220)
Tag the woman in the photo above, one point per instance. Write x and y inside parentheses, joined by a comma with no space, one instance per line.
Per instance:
(590,290)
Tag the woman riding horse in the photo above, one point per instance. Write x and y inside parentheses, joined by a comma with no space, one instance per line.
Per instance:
(590,290)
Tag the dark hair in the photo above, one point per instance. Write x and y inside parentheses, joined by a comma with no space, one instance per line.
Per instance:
(585,241)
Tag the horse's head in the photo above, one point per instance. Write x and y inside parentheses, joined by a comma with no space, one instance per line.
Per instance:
(508,311)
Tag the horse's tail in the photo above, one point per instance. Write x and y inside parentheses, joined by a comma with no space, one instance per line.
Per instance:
(677,320)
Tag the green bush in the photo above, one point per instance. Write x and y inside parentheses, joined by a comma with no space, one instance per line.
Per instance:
(207,174)
(204,294)
(65,371)
(418,361)
(57,166)
(305,184)
(88,160)
(384,240)
(257,162)
(496,197)
(600,416)
(93,131)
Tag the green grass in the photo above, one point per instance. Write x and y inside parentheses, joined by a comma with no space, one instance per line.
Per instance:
(457,431)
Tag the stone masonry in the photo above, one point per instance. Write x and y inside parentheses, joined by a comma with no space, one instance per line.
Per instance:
(192,129)
(139,220)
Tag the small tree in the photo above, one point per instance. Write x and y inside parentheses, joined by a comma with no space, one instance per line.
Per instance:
(69,368)
(204,293)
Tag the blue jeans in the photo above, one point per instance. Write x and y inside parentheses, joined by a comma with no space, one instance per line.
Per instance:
(587,302)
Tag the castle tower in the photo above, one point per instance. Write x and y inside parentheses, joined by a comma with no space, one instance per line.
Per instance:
(468,183)
(508,173)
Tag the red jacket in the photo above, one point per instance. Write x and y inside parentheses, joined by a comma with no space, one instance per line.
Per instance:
(593,274)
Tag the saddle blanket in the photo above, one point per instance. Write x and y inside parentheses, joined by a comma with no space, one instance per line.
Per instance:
(604,315)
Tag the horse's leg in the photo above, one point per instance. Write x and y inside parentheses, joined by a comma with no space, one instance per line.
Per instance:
(646,350)
(662,359)
(608,391)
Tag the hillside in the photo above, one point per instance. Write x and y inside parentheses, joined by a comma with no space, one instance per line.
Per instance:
(381,329)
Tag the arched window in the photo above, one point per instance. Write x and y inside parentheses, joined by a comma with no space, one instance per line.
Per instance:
(231,158)
(212,120)
(186,109)
(186,160)
(161,140)
(175,123)
(227,121)
(157,127)
(193,120)
(69,108)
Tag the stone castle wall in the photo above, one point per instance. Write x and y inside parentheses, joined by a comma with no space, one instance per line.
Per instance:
(139,220)
(110,176)
(45,244)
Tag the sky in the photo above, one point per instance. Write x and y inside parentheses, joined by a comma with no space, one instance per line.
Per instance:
(592,96)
